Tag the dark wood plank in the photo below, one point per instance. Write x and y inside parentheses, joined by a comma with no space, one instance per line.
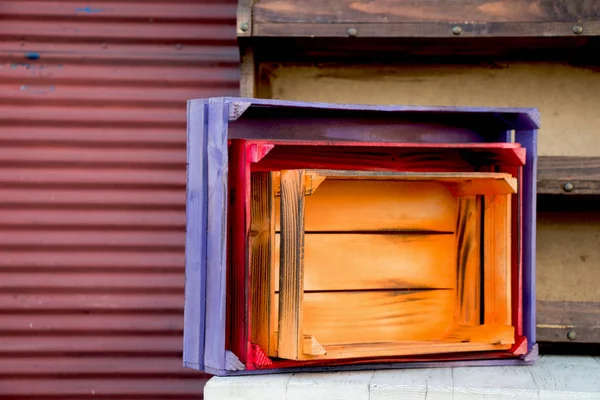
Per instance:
(468,260)
(425,29)
(262,232)
(291,271)
(568,321)
(486,50)
(248,82)
(568,175)
(195,241)
(406,11)
(216,244)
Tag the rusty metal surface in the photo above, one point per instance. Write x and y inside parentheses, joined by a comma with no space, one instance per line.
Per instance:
(92,191)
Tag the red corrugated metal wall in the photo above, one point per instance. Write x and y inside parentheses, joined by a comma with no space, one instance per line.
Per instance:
(92,190)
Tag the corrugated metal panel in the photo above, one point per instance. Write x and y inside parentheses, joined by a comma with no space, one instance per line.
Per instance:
(92,191)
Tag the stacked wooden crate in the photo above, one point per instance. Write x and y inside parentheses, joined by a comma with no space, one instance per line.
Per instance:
(306,251)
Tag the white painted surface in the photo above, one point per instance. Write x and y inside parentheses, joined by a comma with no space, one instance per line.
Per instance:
(552,378)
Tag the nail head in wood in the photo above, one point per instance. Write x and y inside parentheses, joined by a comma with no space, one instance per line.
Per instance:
(352,32)
(457,30)
(577,29)
(244,26)
(568,187)
(572,335)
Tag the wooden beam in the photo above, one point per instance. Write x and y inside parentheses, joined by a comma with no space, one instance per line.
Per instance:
(468,261)
(291,271)
(568,321)
(262,233)
(568,175)
(496,259)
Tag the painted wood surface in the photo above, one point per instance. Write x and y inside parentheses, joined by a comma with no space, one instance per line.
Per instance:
(239,224)
(377,261)
(262,258)
(387,158)
(300,334)
(291,266)
(552,377)
(378,316)
(195,243)
(468,261)
(214,354)
(378,206)
(459,184)
(496,259)
(528,139)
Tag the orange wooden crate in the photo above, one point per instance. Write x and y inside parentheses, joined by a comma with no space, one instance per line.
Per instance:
(380,264)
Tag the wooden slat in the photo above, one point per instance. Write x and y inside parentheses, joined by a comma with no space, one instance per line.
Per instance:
(496,260)
(426,30)
(239,183)
(216,248)
(404,11)
(195,244)
(460,184)
(388,349)
(583,173)
(374,206)
(262,261)
(291,273)
(468,242)
(388,156)
(490,334)
(371,261)
(556,319)
(378,316)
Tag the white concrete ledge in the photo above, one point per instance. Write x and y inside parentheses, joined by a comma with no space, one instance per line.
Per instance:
(551,378)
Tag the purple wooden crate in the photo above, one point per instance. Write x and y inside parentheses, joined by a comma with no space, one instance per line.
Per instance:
(211,122)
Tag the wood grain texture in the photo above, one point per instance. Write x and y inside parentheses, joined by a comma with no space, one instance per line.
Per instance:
(529,139)
(414,348)
(262,257)
(239,263)
(312,347)
(248,81)
(496,260)
(491,334)
(384,261)
(555,319)
(379,206)
(387,158)
(217,161)
(291,270)
(195,240)
(582,172)
(425,30)
(378,316)
(468,261)
(459,184)
(391,11)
